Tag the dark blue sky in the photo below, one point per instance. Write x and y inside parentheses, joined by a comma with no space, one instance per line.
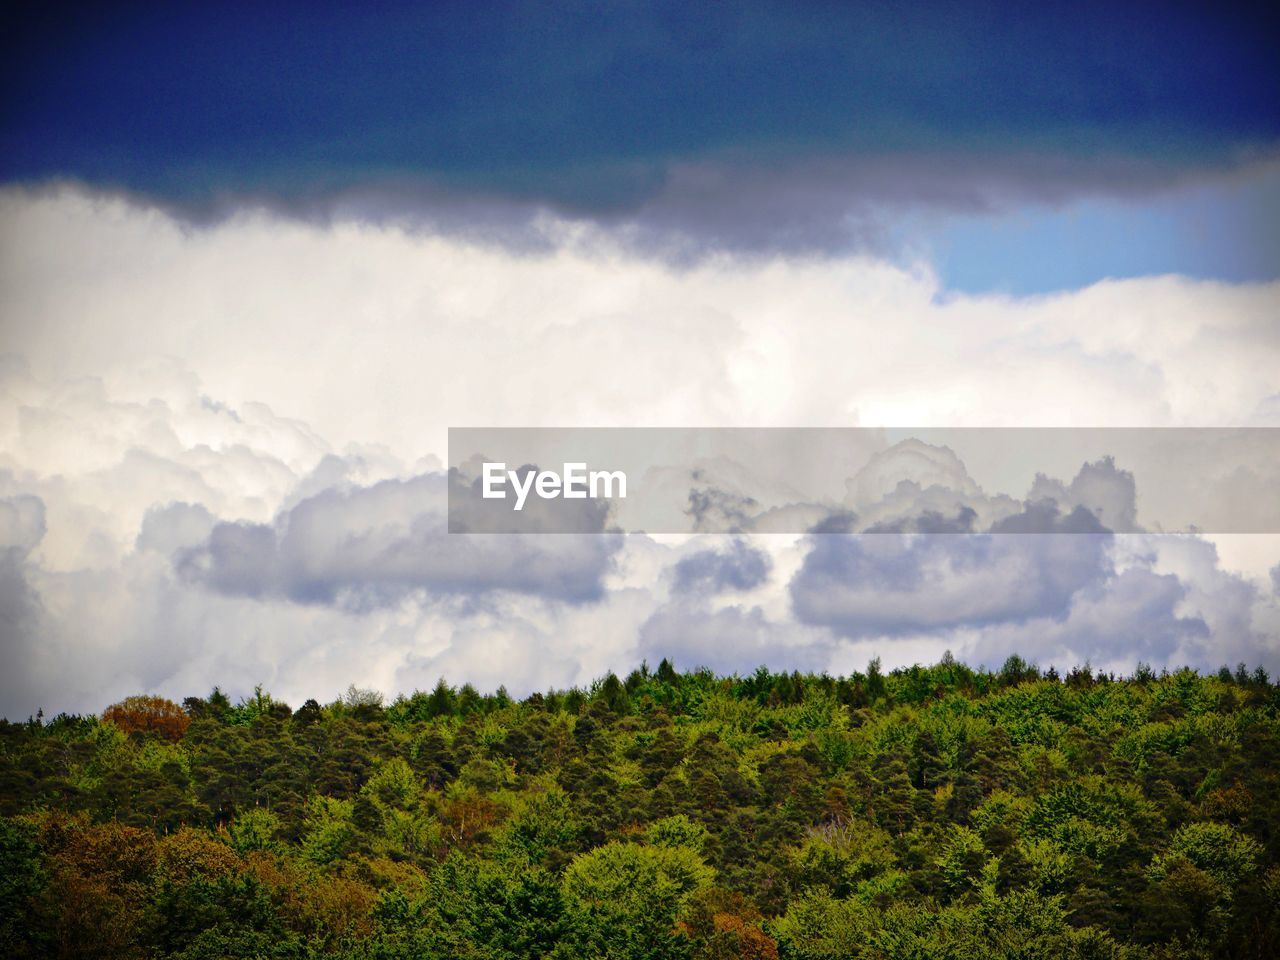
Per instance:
(590,107)
(584,103)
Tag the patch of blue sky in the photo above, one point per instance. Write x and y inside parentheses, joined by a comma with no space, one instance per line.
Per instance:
(1225,229)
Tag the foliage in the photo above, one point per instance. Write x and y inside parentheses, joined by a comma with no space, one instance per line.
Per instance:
(925,812)
(622,900)
(142,714)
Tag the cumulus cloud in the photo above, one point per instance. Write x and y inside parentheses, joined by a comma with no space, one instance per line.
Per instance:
(909,487)
(915,486)
(411,333)
(1131,616)
(374,545)
(1224,481)
(22,526)
(236,485)
(1161,599)
(877,585)
(1167,601)
(1101,491)
(739,567)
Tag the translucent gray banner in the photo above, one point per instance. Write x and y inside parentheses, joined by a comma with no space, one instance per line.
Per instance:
(864,480)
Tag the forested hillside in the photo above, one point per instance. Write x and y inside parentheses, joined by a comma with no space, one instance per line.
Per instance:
(929,812)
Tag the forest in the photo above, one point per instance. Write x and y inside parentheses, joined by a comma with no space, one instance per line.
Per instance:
(927,812)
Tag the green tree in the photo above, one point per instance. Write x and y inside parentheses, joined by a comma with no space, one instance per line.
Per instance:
(623,900)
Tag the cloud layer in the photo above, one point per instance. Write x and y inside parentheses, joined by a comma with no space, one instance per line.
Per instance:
(220,460)
(768,126)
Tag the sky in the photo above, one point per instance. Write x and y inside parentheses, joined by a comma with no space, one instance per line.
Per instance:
(256,260)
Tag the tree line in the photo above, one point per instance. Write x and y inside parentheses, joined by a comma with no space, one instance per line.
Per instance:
(936,811)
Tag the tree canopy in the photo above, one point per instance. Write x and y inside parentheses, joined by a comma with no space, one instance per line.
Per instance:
(922,812)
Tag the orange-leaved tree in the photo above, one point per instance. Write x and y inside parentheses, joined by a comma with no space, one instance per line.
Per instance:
(148,715)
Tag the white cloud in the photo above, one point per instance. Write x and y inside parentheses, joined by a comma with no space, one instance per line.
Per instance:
(373,334)
(166,380)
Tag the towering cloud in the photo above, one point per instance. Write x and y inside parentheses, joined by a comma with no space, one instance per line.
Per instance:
(222,439)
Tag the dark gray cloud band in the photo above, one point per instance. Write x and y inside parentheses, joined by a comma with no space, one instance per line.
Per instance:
(863,586)
(372,546)
(764,125)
